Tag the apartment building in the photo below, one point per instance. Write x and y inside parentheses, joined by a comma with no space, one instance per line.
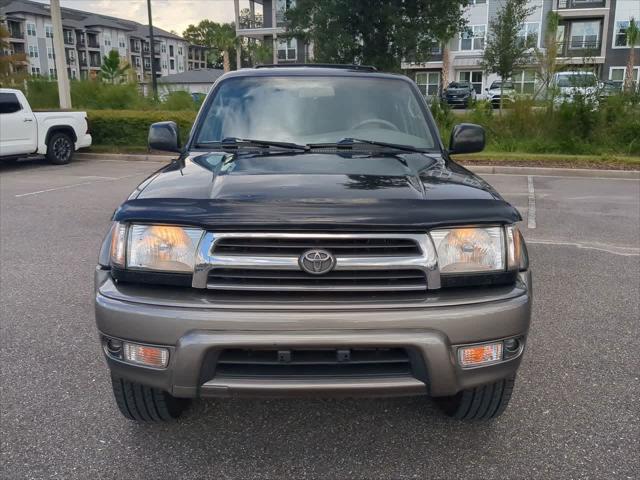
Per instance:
(264,22)
(88,37)
(590,36)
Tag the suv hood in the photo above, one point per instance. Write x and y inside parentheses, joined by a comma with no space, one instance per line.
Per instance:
(315,191)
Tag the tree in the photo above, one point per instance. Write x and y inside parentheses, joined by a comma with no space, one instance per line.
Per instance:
(633,39)
(113,70)
(376,32)
(219,38)
(547,58)
(505,49)
(12,65)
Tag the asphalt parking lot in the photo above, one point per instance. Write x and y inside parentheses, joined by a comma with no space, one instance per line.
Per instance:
(575,411)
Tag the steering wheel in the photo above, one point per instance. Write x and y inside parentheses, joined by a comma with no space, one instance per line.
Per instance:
(379,121)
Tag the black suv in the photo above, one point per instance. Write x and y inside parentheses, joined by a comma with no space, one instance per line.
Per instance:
(461,94)
(313,237)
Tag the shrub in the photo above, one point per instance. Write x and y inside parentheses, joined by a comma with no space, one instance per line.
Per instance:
(178,100)
(131,127)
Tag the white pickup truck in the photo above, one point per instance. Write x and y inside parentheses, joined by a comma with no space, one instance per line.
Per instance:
(56,134)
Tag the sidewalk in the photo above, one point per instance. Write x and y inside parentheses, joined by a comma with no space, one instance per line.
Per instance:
(479,169)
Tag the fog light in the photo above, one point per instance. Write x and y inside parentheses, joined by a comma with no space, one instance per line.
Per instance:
(145,355)
(114,347)
(480,354)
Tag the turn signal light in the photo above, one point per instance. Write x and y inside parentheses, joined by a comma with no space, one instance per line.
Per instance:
(480,354)
(146,355)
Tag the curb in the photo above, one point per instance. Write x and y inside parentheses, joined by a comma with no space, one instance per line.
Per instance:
(479,169)
(553,172)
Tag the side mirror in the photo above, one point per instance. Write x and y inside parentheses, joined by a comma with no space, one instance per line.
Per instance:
(467,138)
(164,136)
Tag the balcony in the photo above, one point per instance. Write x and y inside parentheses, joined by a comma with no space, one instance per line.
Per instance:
(16,34)
(580,48)
(577,4)
(68,37)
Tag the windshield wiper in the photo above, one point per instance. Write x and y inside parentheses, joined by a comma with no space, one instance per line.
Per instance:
(236,142)
(350,142)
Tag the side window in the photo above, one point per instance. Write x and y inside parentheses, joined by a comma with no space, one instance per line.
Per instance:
(9,103)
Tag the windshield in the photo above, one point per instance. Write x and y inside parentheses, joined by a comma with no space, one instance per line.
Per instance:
(577,80)
(306,110)
(459,85)
(496,85)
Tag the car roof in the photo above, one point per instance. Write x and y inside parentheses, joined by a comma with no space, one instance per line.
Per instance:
(312,71)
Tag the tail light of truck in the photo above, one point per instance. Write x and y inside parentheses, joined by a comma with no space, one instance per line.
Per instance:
(86,119)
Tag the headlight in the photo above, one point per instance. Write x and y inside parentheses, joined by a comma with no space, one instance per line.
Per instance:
(470,250)
(155,247)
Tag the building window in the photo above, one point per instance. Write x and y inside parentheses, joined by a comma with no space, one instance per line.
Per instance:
(428,83)
(620,37)
(477,2)
(48,31)
(163,48)
(50,53)
(164,64)
(472,37)
(585,35)
(179,50)
(172,64)
(107,40)
(31,29)
(73,75)
(147,63)
(35,70)
(52,73)
(475,78)
(529,34)
(618,75)
(524,81)
(33,51)
(121,42)
(171,50)
(68,36)
(288,49)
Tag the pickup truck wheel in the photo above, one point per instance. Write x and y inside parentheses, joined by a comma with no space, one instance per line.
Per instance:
(60,148)
(145,404)
(480,403)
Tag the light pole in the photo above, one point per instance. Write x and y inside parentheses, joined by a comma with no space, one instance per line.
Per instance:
(154,80)
(64,92)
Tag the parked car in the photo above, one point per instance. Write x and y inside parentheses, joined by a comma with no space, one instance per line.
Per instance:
(459,94)
(24,132)
(313,237)
(571,84)
(498,89)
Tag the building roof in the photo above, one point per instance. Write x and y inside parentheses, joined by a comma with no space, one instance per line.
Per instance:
(72,18)
(205,75)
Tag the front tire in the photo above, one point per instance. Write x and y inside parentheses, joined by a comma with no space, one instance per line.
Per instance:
(60,148)
(480,403)
(145,404)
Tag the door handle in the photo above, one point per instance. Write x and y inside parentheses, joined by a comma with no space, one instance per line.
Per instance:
(28,119)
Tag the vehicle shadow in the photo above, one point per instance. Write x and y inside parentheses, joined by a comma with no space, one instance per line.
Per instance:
(332,438)
(7,166)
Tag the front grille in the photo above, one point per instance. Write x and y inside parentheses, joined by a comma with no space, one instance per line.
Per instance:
(299,281)
(357,362)
(371,266)
(296,246)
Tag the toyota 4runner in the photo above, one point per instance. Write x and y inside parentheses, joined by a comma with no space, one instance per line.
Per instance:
(313,237)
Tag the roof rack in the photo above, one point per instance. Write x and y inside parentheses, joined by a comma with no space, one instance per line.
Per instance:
(362,68)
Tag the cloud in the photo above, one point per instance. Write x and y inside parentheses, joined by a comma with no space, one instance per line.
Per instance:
(167,14)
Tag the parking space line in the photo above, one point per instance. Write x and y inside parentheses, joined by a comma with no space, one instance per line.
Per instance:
(105,179)
(531,215)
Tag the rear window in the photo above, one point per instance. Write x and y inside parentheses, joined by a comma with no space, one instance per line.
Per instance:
(9,103)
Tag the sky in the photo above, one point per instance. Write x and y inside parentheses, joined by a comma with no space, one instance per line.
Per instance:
(167,14)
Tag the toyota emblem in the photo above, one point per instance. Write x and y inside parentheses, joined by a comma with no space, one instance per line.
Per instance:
(317,262)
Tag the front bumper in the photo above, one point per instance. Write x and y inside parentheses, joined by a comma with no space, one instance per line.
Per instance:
(196,331)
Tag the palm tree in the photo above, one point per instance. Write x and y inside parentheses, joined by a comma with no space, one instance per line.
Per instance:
(633,39)
(112,70)
(224,40)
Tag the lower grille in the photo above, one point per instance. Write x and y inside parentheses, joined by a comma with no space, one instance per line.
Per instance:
(360,362)
(299,281)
